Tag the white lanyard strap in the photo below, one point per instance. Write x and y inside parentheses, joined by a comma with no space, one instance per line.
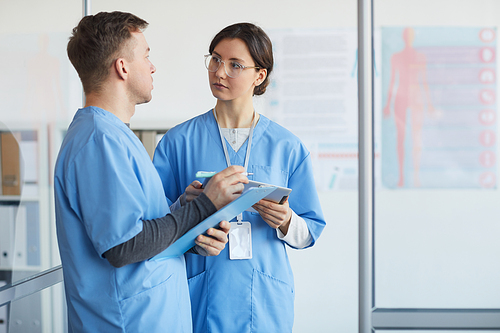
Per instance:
(239,218)
(249,145)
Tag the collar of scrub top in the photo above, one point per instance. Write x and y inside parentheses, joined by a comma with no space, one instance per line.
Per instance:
(239,218)
(249,145)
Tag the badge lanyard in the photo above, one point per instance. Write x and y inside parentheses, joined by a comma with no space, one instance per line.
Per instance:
(249,146)
(240,236)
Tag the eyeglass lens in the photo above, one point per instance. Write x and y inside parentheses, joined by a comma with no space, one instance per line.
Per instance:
(233,68)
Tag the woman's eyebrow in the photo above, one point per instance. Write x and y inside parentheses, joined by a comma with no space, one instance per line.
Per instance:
(235,59)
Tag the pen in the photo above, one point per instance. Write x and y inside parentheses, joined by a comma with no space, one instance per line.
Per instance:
(208,174)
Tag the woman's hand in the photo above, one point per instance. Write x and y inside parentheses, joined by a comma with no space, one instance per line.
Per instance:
(275,215)
(191,192)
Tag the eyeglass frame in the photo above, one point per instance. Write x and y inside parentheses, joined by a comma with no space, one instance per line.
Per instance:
(243,67)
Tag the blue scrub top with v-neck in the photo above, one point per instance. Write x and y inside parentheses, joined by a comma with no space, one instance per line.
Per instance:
(254,295)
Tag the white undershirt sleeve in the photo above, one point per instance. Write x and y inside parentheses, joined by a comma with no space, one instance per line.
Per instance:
(298,235)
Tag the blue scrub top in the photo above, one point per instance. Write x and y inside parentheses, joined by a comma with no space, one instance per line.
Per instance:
(105,185)
(254,295)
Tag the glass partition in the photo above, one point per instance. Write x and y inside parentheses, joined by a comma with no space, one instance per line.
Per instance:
(436,200)
(42,309)
(39,93)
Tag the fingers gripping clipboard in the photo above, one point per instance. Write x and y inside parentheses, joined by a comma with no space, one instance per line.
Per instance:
(279,195)
(228,212)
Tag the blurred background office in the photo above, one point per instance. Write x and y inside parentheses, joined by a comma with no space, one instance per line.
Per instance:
(436,200)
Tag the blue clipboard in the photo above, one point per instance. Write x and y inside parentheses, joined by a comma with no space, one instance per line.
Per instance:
(228,212)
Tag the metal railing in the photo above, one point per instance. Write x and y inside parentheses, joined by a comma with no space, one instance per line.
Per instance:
(30,285)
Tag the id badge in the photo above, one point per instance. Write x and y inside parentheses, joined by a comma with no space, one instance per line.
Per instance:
(240,240)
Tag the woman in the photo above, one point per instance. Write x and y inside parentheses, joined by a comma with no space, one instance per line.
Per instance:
(255,292)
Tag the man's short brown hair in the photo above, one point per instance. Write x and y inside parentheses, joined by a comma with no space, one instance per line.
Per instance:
(97,42)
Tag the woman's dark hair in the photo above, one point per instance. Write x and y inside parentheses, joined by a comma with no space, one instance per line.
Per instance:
(258,43)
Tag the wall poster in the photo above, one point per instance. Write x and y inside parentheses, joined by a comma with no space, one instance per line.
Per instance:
(439,125)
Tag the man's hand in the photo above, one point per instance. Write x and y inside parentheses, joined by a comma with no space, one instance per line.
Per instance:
(215,242)
(226,186)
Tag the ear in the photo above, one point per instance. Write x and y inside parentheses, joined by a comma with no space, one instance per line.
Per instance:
(261,77)
(121,68)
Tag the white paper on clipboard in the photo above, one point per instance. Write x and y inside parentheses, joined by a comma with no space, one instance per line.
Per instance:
(278,196)
(227,213)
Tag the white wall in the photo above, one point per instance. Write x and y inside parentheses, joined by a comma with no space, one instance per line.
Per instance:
(180,33)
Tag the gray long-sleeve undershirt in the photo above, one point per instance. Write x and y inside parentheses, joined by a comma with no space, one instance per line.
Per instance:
(158,234)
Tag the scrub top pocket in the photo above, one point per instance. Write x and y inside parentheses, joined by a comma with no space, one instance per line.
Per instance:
(271,298)
(270,175)
(138,320)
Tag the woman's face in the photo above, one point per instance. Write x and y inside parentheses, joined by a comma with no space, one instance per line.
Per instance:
(225,88)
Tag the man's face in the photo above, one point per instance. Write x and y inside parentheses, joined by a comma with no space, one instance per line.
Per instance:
(140,82)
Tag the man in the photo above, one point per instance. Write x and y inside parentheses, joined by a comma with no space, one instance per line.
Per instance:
(112,216)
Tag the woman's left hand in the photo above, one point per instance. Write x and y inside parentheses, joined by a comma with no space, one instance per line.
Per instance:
(275,215)
(191,192)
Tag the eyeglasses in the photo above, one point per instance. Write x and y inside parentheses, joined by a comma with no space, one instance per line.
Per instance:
(233,70)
